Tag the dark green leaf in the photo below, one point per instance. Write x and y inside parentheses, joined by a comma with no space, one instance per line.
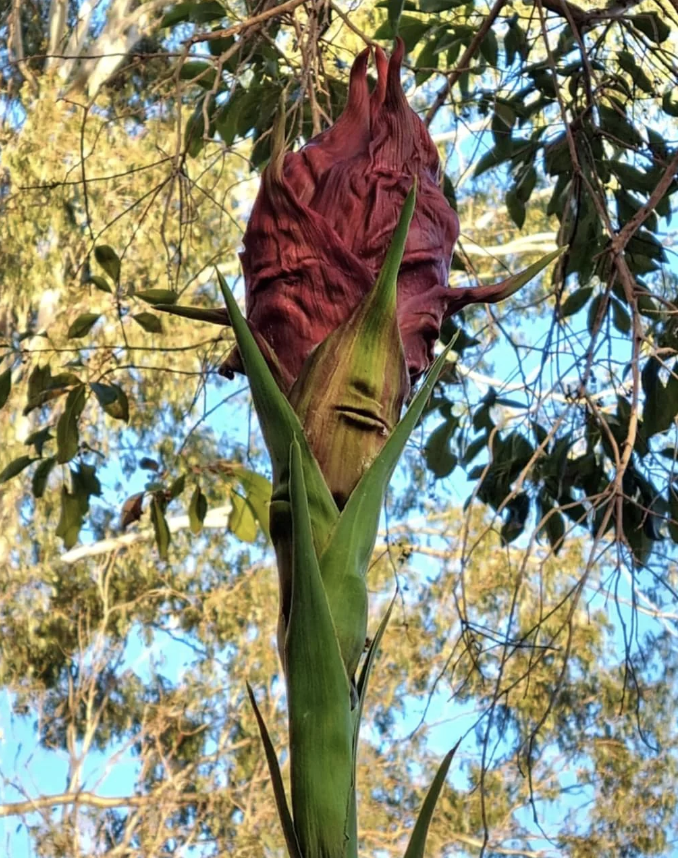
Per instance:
(5,386)
(628,62)
(620,318)
(204,71)
(100,284)
(439,458)
(177,487)
(83,325)
(15,467)
(157,296)
(669,106)
(394,9)
(555,530)
(574,302)
(426,61)
(197,12)
(503,120)
(615,123)
(39,438)
(149,322)
(197,510)
(410,30)
(515,207)
(489,48)
(112,399)
(109,261)
(160,528)
(651,25)
(41,475)
(67,426)
(85,484)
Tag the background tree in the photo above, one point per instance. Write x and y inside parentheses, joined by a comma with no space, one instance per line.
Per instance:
(537,620)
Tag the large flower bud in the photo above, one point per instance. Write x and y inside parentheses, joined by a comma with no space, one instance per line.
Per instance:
(323,221)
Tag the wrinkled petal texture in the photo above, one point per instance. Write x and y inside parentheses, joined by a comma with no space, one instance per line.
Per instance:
(322,223)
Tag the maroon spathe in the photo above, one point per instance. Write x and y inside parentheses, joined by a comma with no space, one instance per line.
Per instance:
(323,220)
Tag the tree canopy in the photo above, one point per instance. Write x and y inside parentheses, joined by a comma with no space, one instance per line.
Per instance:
(530,532)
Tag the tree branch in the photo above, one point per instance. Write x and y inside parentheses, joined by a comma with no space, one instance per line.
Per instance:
(90,799)
(623,237)
(217,517)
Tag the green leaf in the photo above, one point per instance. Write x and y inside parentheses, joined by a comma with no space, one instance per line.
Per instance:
(574,302)
(197,510)
(160,528)
(417,845)
(112,399)
(206,72)
(5,386)
(661,401)
(41,475)
(651,25)
(196,12)
(620,318)
(628,62)
(409,28)
(618,126)
(282,807)
(83,325)
(489,48)
(177,487)
(257,494)
(100,284)
(149,322)
(394,9)
(39,438)
(241,521)
(516,208)
(157,296)
(317,692)
(15,467)
(67,425)
(199,314)
(70,519)
(669,106)
(109,261)
(439,458)
(426,61)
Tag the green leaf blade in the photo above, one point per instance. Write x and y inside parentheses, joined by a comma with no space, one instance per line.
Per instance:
(417,845)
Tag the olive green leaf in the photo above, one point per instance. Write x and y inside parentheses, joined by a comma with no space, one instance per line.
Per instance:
(68,439)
